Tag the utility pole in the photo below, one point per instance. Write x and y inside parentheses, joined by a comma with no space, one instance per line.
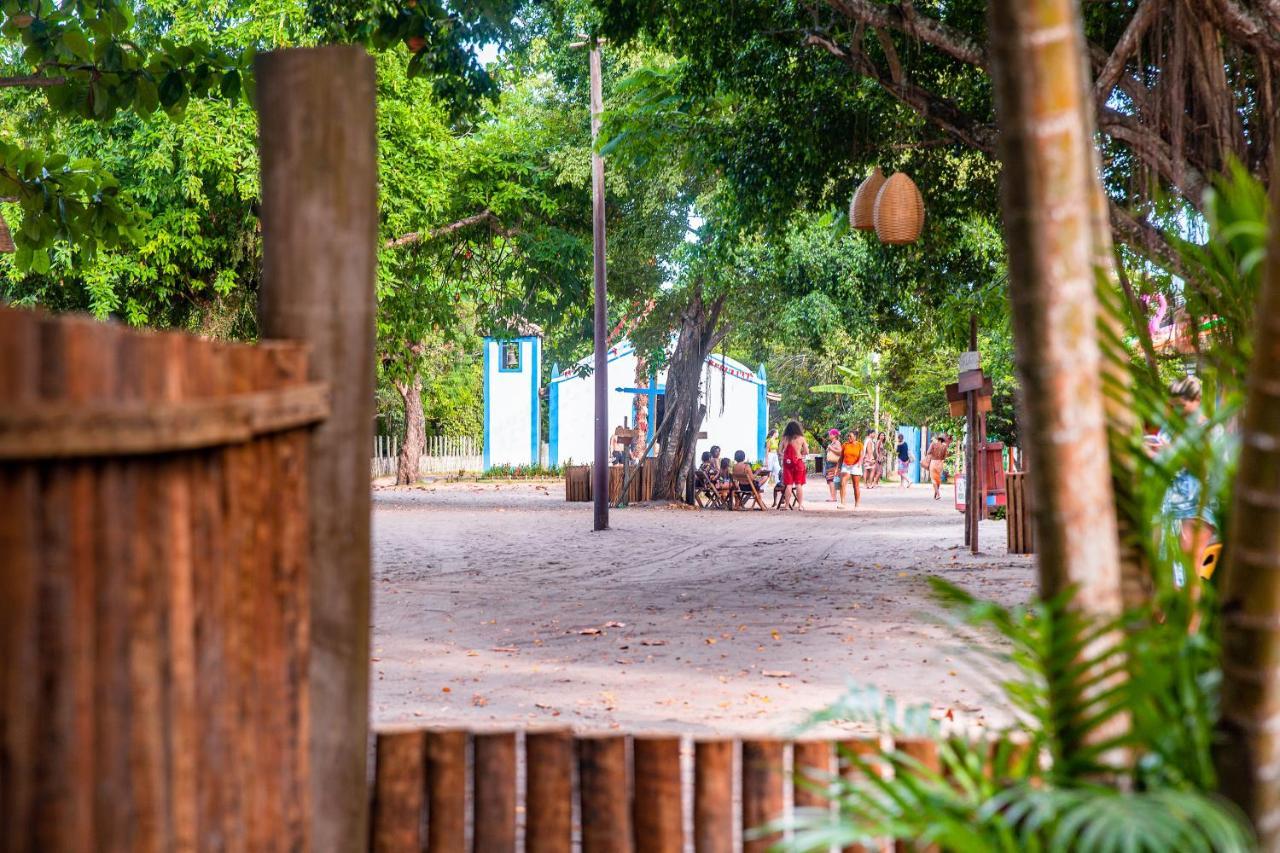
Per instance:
(600,471)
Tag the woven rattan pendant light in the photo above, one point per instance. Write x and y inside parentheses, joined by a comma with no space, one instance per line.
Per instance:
(6,239)
(899,211)
(862,207)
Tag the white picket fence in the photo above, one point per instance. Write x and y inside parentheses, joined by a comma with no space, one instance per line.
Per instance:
(444,454)
(385,448)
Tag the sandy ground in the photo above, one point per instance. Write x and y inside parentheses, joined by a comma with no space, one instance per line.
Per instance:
(495,605)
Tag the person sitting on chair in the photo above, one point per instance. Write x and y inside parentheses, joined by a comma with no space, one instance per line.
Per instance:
(742,473)
(724,483)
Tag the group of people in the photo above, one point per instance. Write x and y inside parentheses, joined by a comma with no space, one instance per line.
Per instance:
(851,460)
(730,480)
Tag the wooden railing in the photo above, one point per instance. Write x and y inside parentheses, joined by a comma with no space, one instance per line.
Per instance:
(154,589)
(542,791)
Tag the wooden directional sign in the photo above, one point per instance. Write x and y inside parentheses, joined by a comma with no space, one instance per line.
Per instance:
(971,380)
(957,396)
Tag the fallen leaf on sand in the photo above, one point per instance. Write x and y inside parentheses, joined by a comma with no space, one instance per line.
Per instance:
(710,641)
(590,632)
(653,642)
(446,689)
(609,702)
(504,649)
(612,624)
(473,654)
(777,673)
(479,701)
(774,633)
(542,706)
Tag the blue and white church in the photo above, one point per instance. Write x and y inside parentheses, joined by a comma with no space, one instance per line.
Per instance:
(736,397)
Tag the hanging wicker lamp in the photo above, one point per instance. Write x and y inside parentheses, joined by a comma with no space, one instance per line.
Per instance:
(862,207)
(899,211)
(6,239)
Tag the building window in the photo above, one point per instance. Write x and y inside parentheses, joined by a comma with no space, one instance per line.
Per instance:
(509,356)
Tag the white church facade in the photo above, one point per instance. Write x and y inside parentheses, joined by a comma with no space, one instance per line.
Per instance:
(736,398)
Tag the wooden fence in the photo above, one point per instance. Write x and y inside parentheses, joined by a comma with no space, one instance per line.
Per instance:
(154,589)
(577,482)
(1018,520)
(385,449)
(545,791)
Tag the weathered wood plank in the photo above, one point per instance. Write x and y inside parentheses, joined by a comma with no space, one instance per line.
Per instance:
(20,652)
(120,428)
(549,791)
(658,814)
(762,792)
(603,795)
(494,812)
(399,786)
(713,823)
(447,791)
(319,227)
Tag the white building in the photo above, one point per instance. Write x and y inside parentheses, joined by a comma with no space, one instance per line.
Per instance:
(512,408)
(736,398)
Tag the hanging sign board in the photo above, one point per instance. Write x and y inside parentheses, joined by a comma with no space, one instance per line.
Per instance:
(971,380)
(969,361)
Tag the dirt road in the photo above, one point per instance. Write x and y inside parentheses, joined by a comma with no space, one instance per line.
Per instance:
(495,605)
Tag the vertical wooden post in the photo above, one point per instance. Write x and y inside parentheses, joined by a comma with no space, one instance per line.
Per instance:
(713,796)
(762,792)
(602,793)
(657,817)
(548,792)
(319,229)
(974,495)
(494,804)
(447,791)
(601,470)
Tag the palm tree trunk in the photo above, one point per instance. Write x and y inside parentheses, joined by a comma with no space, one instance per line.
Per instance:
(1248,756)
(1049,195)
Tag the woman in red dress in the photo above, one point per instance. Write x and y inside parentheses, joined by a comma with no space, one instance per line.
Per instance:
(794,449)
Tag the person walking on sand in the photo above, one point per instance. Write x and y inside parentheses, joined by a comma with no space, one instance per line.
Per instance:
(937,456)
(831,462)
(904,463)
(794,449)
(852,453)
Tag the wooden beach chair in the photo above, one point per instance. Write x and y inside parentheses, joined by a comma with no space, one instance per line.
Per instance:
(705,493)
(748,496)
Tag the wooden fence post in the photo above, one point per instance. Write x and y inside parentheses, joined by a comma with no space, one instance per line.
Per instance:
(319,229)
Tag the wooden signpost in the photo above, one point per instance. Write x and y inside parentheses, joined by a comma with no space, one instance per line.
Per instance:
(970,396)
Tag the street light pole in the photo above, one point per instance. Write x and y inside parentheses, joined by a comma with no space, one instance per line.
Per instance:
(600,471)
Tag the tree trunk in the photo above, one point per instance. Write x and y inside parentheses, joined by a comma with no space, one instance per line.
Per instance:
(677,435)
(1049,192)
(1248,755)
(415,434)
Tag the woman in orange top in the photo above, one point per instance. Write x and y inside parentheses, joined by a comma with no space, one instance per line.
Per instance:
(851,468)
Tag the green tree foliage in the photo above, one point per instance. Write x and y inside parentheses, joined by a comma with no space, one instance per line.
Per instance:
(97,60)
(193,257)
